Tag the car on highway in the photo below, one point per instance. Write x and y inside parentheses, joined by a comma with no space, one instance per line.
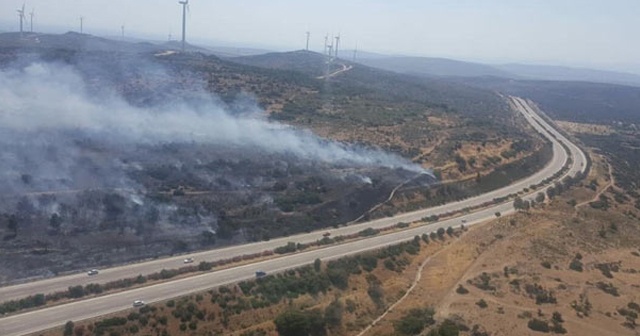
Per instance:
(188,260)
(93,272)
(138,303)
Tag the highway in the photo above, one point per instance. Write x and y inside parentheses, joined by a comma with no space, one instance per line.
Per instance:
(50,317)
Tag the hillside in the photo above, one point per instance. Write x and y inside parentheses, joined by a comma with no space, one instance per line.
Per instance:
(156,152)
(573,101)
(434,67)
(559,73)
(565,266)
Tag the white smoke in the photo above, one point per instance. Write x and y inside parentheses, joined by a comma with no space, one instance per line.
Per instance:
(46,97)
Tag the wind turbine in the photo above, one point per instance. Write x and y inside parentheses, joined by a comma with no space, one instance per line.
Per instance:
(326,43)
(337,44)
(21,16)
(81,24)
(31,19)
(355,52)
(122,29)
(308,34)
(184,4)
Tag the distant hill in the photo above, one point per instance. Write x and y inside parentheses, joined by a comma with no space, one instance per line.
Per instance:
(434,67)
(443,67)
(307,62)
(558,73)
(366,80)
(573,101)
(72,41)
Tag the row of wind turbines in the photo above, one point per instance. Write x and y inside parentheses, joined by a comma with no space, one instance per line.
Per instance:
(22,18)
(331,49)
(21,15)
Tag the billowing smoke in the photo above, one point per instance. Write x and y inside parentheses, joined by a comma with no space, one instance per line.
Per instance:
(41,101)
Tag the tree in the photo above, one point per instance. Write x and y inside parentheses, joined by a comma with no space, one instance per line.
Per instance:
(55,221)
(526,206)
(414,321)
(316,264)
(517,203)
(538,325)
(447,328)
(540,197)
(551,193)
(557,317)
(425,238)
(440,232)
(333,313)
(298,323)
(450,231)
(291,323)
(68,328)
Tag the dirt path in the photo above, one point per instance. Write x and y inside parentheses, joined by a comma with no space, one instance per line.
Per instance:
(415,282)
(612,183)
(337,72)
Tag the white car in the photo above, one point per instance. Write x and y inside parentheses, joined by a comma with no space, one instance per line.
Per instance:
(93,272)
(138,303)
(188,260)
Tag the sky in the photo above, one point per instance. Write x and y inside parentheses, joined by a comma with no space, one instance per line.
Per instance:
(582,33)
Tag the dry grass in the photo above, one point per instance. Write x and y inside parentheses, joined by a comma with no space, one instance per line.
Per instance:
(553,234)
(584,128)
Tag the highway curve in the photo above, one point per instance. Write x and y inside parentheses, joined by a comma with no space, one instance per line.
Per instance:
(50,317)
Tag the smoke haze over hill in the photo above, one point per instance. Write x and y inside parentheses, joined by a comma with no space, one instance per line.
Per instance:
(46,109)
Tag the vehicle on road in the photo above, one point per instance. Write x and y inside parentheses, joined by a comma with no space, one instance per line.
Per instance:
(326,234)
(260,274)
(138,303)
(188,260)
(93,272)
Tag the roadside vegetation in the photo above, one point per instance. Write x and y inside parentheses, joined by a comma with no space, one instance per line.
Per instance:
(323,298)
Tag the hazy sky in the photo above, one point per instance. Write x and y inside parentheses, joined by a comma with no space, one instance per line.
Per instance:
(596,33)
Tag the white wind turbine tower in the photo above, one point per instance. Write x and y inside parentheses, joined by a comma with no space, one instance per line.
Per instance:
(308,35)
(355,52)
(326,43)
(31,19)
(185,4)
(21,16)
(81,24)
(337,44)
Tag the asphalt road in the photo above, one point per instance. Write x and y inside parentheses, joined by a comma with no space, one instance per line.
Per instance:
(50,317)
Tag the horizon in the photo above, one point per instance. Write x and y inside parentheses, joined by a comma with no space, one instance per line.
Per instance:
(570,34)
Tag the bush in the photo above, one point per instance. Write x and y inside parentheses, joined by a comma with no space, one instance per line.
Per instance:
(296,322)
(538,325)
(68,329)
(414,321)
(482,304)
(576,265)
(461,290)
